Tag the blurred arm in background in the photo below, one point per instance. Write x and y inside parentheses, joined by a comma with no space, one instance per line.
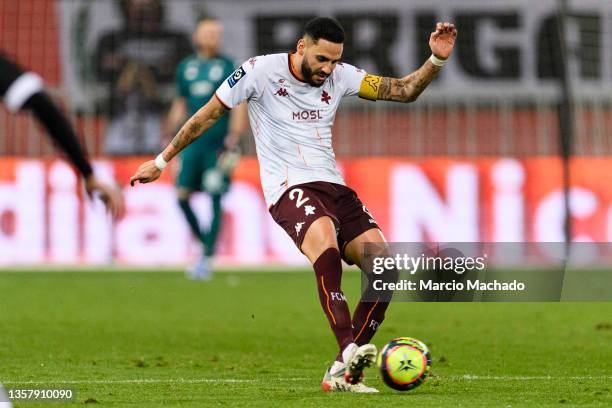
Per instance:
(25,90)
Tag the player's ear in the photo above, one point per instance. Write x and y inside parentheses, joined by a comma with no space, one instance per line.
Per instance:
(301,44)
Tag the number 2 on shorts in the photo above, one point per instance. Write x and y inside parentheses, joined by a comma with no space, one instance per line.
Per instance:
(301,200)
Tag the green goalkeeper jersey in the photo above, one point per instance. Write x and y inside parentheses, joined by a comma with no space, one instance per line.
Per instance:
(197,79)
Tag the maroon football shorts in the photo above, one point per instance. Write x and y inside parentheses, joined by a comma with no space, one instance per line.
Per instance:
(303,204)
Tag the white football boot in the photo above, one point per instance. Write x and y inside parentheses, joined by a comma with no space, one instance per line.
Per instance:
(340,375)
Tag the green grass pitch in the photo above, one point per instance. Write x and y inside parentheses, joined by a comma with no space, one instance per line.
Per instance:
(134,339)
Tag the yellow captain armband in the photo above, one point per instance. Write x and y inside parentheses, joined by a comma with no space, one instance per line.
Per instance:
(370,84)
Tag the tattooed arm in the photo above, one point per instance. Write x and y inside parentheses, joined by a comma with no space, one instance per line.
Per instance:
(408,89)
(201,121)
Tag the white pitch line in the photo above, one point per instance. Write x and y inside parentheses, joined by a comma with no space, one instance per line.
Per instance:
(469,377)
(139,381)
(466,377)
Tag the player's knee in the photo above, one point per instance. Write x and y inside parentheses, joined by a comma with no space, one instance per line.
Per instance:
(321,236)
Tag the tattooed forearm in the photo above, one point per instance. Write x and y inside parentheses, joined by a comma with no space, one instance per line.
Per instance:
(188,133)
(392,89)
(407,89)
(194,127)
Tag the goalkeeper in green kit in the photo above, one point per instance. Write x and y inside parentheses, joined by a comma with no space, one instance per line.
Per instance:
(206,165)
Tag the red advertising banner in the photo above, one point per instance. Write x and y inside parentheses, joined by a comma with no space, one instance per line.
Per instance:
(44,219)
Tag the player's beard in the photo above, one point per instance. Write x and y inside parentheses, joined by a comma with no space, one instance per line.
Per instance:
(308,74)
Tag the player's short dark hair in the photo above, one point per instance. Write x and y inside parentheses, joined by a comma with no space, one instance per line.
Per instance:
(326,28)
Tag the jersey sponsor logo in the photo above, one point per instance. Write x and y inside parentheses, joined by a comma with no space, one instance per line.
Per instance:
(282,92)
(307,115)
(325,97)
(236,76)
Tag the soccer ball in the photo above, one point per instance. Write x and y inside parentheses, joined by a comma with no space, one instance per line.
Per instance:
(404,363)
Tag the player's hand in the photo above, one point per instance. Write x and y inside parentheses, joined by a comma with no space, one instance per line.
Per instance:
(146,173)
(110,195)
(442,40)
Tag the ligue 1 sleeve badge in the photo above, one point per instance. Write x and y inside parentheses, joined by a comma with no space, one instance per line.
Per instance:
(236,76)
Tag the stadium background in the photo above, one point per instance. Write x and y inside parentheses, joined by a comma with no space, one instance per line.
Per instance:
(479,157)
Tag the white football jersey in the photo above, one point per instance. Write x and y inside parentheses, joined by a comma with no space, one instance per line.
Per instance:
(290,119)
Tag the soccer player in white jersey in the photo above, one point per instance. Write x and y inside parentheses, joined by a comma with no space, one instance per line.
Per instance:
(292,100)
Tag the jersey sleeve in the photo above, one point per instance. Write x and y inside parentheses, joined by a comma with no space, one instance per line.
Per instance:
(240,85)
(350,78)
(9,72)
(16,85)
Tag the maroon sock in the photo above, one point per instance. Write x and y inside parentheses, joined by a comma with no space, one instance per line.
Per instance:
(367,317)
(369,314)
(328,270)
